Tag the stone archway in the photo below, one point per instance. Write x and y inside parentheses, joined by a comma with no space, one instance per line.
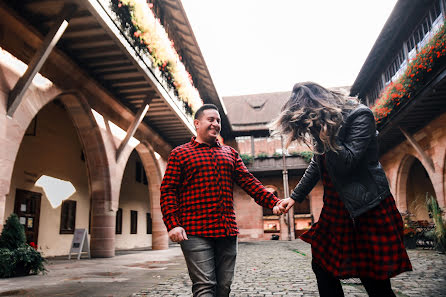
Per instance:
(413,182)
(153,172)
(442,202)
(12,130)
(401,182)
(102,213)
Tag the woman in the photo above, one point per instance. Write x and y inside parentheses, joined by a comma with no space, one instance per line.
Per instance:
(360,231)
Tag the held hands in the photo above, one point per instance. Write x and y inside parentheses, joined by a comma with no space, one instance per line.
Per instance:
(178,234)
(283,206)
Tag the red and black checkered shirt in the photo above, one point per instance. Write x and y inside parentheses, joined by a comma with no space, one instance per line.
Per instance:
(197,189)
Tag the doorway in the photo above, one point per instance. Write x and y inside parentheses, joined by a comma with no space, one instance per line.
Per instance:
(27,208)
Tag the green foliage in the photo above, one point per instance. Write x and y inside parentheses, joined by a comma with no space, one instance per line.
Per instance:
(7,263)
(13,234)
(17,258)
(277,155)
(306,155)
(19,262)
(262,156)
(247,158)
(440,230)
(32,260)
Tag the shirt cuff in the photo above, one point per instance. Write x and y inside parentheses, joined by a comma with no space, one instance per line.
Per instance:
(171,222)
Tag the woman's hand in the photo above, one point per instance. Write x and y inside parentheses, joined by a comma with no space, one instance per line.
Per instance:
(286,204)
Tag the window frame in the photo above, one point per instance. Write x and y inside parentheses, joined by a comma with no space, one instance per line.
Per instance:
(67,212)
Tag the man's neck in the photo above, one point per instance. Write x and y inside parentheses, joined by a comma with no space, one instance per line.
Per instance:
(210,143)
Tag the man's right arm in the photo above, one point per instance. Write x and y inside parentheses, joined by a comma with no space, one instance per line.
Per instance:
(169,188)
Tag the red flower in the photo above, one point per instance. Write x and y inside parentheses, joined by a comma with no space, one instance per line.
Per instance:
(33,245)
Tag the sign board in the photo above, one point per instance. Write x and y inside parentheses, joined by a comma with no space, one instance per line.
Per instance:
(79,243)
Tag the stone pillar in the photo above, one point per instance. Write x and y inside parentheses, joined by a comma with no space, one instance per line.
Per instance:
(102,236)
(2,211)
(154,171)
(160,239)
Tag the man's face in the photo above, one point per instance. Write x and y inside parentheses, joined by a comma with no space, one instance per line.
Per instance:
(208,125)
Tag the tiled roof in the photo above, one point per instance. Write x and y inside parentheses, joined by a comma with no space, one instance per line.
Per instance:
(254,112)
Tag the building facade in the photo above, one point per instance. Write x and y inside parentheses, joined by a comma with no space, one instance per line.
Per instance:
(90,110)
(267,158)
(403,80)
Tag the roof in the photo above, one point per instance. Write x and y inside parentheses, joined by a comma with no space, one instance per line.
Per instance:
(190,50)
(251,114)
(405,16)
(248,113)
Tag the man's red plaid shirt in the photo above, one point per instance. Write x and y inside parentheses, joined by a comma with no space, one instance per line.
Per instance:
(197,189)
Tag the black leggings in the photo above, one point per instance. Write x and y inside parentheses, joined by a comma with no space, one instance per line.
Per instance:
(329,286)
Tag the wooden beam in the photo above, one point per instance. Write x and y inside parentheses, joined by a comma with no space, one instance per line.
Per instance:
(36,63)
(419,150)
(133,126)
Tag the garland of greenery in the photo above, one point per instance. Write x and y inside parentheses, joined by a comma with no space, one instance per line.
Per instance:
(149,37)
(418,72)
(248,158)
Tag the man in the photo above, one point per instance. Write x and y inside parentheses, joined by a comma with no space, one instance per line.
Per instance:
(197,204)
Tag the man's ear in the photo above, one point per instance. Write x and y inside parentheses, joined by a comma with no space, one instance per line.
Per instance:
(196,121)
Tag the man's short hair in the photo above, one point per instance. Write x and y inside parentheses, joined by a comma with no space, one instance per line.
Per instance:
(199,112)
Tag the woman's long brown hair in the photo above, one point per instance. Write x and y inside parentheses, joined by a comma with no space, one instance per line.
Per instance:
(313,114)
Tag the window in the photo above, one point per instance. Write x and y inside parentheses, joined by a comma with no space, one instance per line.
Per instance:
(140,175)
(149,223)
(118,229)
(133,222)
(68,217)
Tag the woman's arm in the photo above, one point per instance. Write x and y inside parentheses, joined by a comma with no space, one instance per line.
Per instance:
(307,182)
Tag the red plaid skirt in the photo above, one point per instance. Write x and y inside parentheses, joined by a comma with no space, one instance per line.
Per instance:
(371,248)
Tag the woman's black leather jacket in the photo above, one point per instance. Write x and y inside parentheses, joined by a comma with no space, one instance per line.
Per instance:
(354,170)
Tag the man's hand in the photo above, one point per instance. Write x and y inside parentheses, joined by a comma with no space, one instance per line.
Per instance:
(277,210)
(286,204)
(178,234)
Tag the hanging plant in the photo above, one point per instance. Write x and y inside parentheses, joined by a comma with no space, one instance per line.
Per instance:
(418,72)
(149,36)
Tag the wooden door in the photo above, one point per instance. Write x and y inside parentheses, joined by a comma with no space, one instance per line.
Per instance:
(27,208)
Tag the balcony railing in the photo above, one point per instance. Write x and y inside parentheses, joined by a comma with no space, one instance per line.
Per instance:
(276,164)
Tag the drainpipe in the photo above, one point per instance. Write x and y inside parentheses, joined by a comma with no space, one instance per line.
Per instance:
(286,191)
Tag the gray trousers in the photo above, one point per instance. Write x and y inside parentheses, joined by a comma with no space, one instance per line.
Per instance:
(211,264)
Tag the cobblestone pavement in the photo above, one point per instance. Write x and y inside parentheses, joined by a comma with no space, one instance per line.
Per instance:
(283,268)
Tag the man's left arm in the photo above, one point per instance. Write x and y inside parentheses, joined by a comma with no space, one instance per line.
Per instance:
(253,186)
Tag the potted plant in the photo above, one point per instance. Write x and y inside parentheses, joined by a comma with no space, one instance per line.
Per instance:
(17,258)
(440,231)
(262,156)
(247,159)
(410,231)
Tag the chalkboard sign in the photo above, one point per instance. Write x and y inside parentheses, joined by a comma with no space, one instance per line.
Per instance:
(79,244)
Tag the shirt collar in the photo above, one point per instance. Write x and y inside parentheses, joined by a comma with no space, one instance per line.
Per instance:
(197,144)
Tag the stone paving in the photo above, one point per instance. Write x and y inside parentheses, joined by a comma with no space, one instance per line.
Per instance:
(282,268)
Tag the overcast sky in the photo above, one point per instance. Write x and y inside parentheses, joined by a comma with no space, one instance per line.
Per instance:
(259,46)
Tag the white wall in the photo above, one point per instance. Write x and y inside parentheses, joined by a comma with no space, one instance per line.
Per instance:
(133,196)
(54,151)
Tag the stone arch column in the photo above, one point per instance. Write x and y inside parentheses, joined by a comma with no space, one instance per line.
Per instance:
(13,129)
(442,202)
(159,233)
(96,151)
(403,175)
(401,182)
